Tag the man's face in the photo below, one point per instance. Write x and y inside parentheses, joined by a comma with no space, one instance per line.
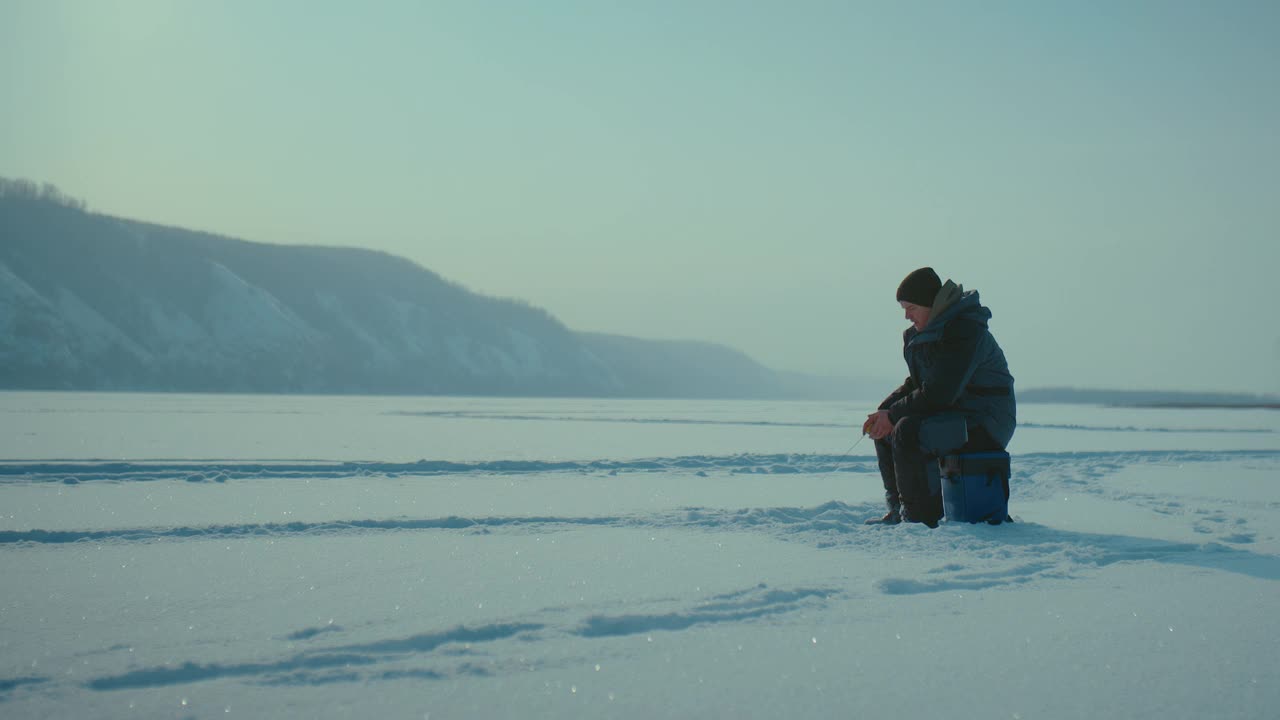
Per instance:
(917,314)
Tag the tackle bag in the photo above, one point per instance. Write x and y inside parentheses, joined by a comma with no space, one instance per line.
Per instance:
(975,487)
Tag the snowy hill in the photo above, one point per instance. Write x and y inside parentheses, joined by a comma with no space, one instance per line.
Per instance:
(92,302)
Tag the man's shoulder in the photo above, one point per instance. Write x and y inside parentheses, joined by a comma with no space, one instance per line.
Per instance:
(963,328)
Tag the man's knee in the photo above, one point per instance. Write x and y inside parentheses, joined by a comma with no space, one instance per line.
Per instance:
(906,433)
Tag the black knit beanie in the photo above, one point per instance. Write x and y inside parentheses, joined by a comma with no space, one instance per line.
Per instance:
(920,287)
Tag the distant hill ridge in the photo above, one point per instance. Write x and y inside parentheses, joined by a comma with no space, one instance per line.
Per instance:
(93,302)
(1147,398)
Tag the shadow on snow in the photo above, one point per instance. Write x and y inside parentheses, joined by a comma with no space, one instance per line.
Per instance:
(357,662)
(302,667)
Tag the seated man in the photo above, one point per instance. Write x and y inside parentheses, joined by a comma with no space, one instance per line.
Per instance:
(957,398)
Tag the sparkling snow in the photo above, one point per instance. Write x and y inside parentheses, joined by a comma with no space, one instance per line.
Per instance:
(215,555)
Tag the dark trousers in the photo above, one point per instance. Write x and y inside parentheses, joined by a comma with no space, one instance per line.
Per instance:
(909,468)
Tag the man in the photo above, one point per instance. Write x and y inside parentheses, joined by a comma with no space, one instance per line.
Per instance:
(957,398)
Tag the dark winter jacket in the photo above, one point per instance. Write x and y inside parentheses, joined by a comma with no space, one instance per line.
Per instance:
(956,366)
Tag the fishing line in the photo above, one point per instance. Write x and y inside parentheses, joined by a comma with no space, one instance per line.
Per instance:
(852,448)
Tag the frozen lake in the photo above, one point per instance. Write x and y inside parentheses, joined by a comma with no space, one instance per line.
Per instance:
(262,556)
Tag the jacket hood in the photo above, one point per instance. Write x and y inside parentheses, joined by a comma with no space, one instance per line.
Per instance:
(954,301)
(946,297)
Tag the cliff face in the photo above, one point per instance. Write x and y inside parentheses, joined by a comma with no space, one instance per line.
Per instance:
(91,302)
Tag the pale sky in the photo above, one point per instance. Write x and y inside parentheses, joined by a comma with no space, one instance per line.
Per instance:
(763,175)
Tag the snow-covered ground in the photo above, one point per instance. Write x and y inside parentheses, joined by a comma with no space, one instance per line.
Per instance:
(206,556)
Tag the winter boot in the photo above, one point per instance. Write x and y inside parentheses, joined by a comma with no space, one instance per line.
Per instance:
(920,515)
(893,517)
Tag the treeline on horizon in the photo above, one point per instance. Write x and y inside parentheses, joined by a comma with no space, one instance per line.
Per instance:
(22,189)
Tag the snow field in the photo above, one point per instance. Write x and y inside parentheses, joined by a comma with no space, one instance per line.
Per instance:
(676,565)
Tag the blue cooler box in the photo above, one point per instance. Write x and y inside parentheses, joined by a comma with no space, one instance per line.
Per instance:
(975,487)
